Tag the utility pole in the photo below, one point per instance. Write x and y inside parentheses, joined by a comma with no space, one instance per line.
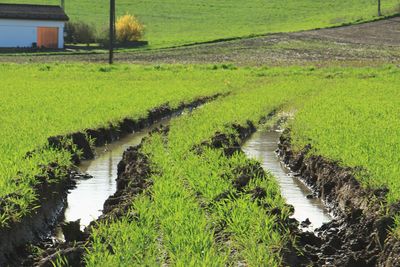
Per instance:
(379,8)
(112,31)
(63,4)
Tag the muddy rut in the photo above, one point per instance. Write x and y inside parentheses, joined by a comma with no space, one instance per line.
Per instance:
(359,235)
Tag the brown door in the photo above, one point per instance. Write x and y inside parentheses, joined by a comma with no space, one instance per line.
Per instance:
(47,37)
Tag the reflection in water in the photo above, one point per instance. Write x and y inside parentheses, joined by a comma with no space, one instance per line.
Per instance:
(85,202)
(262,146)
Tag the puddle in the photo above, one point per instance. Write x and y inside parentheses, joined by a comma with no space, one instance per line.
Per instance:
(85,202)
(262,146)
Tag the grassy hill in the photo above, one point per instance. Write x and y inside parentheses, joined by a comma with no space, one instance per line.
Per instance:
(177,22)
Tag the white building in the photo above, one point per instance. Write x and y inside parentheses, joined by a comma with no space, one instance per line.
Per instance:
(23,26)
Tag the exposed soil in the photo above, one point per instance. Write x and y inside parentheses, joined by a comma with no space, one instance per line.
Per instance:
(382,33)
(37,227)
(358,236)
(362,44)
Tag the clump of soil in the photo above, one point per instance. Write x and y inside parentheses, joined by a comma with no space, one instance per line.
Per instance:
(134,173)
(227,142)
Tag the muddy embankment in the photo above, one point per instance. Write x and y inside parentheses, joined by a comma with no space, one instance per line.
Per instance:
(51,197)
(360,233)
(134,174)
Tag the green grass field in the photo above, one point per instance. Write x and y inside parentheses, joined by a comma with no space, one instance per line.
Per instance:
(357,124)
(349,114)
(50,100)
(251,231)
(172,23)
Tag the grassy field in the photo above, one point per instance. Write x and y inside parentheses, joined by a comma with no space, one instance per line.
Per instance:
(182,209)
(171,22)
(48,100)
(357,124)
(184,192)
(349,114)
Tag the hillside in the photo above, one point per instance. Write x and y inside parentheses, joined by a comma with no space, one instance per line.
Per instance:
(177,22)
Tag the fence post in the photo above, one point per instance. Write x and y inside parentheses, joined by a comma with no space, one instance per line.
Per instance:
(379,8)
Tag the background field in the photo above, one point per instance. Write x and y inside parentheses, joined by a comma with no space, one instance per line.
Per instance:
(177,22)
(54,99)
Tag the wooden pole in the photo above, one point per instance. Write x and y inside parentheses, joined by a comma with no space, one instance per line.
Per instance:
(379,8)
(112,31)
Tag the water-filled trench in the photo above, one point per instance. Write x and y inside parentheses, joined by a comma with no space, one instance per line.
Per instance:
(85,202)
(262,146)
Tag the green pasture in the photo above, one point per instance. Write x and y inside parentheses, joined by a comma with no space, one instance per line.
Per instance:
(177,22)
(347,114)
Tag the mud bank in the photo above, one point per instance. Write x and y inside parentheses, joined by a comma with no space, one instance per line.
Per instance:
(358,236)
(51,202)
(134,172)
(37,226)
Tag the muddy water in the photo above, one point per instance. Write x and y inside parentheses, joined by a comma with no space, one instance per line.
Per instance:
(85,202)
(262,146)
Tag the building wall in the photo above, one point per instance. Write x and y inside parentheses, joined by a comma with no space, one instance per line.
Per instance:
(22,33)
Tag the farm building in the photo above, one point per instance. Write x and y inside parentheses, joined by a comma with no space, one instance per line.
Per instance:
(23,26)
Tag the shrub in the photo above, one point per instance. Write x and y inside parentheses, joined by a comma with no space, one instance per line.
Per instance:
(128,29)
(80,32)
(103,36)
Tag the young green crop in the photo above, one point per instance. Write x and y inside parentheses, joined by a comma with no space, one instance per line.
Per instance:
(357,124)
(250,235)
(172,22)
(186,214)
(49,100)
(39,101)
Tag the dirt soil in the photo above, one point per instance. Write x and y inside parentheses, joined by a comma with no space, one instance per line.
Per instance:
(382,33)
(370,43)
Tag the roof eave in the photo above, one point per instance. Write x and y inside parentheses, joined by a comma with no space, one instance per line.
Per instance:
(38,19)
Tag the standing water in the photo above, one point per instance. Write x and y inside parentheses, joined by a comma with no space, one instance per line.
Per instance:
(262,146)
(85,202)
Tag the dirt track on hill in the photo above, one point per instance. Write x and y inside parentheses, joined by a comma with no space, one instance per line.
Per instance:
(382,32)
(371,43)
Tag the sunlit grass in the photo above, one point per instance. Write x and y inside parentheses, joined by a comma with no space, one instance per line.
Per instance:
(358,124)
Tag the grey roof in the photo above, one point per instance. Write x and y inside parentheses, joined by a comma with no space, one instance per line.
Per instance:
(32,12)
